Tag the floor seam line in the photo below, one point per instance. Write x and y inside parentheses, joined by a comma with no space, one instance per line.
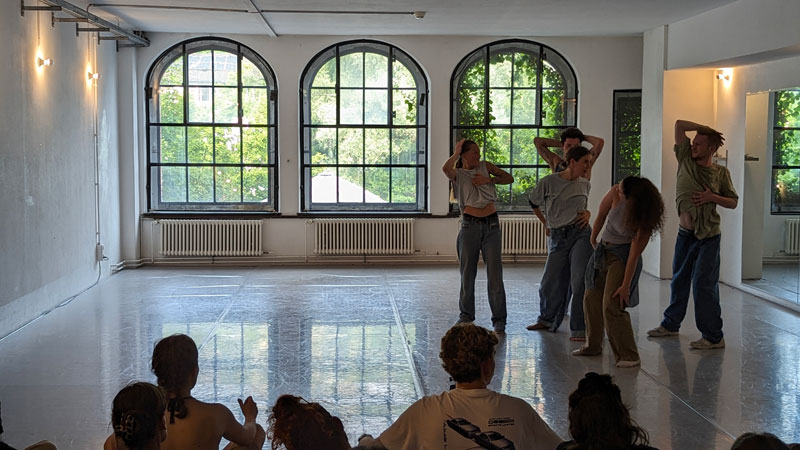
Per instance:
(406,347)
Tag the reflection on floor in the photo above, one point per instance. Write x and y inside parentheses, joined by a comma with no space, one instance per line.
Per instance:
(780,280)
(365,342)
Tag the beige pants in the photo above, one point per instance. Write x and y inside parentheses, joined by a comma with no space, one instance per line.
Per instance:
(599,308)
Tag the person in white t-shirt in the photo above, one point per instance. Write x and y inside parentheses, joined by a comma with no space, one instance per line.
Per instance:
(469,416)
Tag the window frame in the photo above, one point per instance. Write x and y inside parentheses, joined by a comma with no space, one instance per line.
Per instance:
(570,116)
(773,130)
(307,206)
(183,50)
(615,148)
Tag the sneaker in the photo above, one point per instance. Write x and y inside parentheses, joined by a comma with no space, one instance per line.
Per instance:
(584,351)
(705,344)
(628,364)
(537,326)
(660,331)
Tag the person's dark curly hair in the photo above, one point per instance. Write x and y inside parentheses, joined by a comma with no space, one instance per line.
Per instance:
(715,138)
(759,441)
(644,207)
(464,347)
(174,363)
(597,417)
(295,424)
(572,132)
(136,414)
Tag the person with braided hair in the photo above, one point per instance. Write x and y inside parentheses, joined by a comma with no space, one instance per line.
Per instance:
(190,422)
(599,420)
(137,415)
(296,424)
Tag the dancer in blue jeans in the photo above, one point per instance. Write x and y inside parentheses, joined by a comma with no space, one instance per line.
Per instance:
(563,196)
(700,187)
(473,184)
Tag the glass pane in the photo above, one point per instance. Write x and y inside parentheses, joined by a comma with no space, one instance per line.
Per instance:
(173,184)
(404,185)
(351,185)
(498,146)
(503,197)
(786,147)
(323,146)
(255,106)
(376,70)
(524,181)
(201,184)
(170,104)
(404,146)
(227,145)
(786,193)
(174,73)
(524,107)
(404,110)
(323,106)
(200,68)
(553,108)
(226,105)
(500,70)
(352,103)
(225,71)
(172,144)
(255,184)
(351,146)
(401,76)
(256,145)
(525,66)
(376,146)
(352,70)
(377,179)
(474,135)
(551,78)
(375,105)
(473,77)
(470,106)
(229,184)
(500,106)
(787,109)
(326,76)
(323,185)
(201,144)
(522,149)
(251,74)
(200,105)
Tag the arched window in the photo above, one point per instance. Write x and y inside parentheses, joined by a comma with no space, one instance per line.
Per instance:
(363,130)
(505,94)
(211,134)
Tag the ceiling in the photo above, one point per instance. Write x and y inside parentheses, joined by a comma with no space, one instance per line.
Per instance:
(395,17)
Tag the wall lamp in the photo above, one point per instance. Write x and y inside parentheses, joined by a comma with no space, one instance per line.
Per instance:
(724,76)
(44,62)
(92,76)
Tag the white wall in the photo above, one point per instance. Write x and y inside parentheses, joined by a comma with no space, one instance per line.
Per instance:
(47,164)
(601,64)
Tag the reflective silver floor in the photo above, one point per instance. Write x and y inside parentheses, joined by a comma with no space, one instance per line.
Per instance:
(781,280)
(365,342)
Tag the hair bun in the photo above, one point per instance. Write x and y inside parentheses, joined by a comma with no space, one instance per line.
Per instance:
(127,427)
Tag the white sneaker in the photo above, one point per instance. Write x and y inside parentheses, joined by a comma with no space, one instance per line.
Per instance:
(628,364)
(660,331)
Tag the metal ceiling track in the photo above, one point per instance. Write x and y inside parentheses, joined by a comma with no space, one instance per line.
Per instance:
(80,15)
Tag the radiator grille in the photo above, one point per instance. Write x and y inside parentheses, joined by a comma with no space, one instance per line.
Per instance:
(523,236)
(792,241)
(364,236)
(210,237)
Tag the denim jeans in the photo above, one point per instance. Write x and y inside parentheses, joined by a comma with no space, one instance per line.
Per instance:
(481,236)
(568,254)
(695,265)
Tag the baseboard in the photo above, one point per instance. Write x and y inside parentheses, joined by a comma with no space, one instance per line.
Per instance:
(268,260)
(780,259)
(127,264)
(767,296)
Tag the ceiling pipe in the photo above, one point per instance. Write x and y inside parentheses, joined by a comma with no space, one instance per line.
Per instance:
(270,31)
(95,20)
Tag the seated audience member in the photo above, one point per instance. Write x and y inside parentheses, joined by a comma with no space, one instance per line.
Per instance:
(598,420)
(190,422)
(298,425)
(137,415)
(759,441)
(471,415)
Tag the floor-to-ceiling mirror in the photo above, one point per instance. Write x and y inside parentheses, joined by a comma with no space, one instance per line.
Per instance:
(771,197)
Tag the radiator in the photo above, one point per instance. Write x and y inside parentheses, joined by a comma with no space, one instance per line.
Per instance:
(792,241)
(364,236)
(210,237)
(523,236)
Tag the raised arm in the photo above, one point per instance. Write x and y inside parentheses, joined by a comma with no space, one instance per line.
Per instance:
(683,126)
(597,146)
(449,167)
(543,148)
(243,435)
(498,175)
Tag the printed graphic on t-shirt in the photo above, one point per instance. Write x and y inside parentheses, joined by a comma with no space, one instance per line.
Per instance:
(490,440)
